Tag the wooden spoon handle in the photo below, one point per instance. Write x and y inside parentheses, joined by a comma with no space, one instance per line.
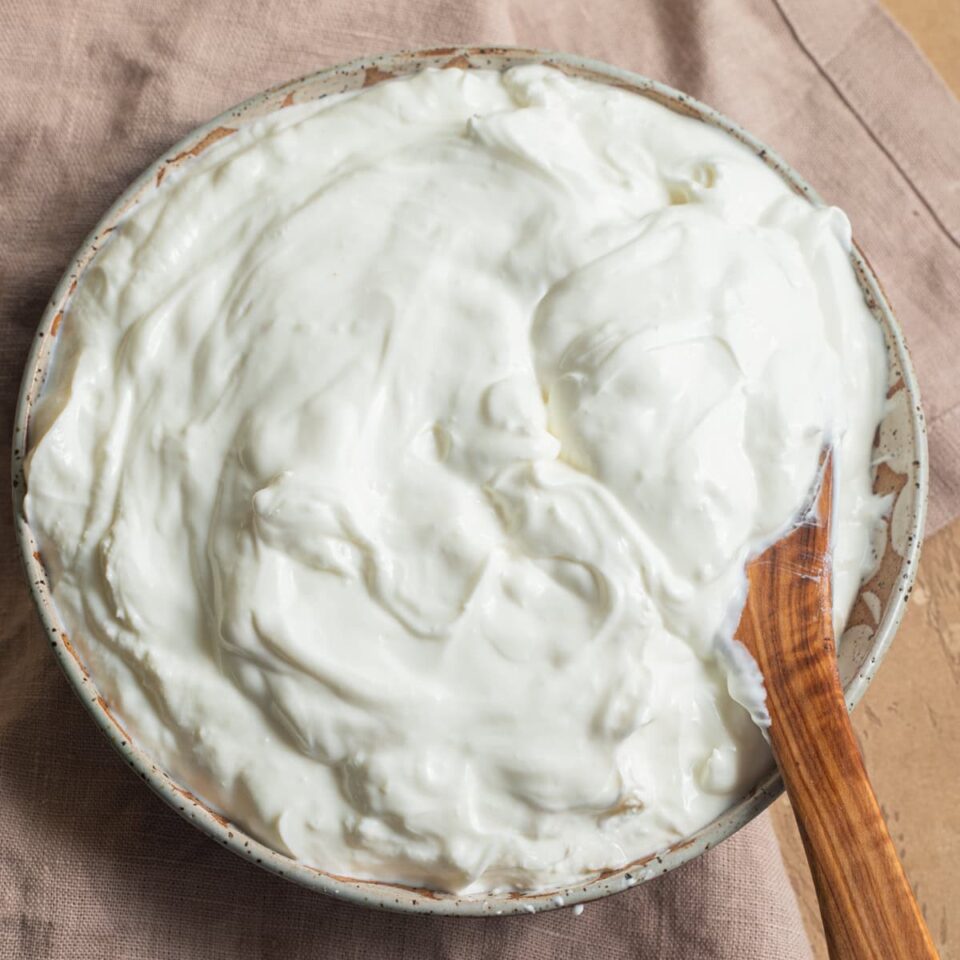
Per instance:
(869,911)
(867,905)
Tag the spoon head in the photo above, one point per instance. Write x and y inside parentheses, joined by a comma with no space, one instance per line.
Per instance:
(789,584)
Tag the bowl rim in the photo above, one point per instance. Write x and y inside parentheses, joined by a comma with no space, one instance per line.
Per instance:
(382,895)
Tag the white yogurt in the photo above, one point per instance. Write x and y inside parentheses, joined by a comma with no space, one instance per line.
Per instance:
(402,456)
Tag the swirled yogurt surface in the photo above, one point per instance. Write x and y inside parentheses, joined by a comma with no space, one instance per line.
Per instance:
(403,452)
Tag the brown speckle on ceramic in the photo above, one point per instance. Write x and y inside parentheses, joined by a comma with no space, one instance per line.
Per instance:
(217,133)
(900,454)
(375,75)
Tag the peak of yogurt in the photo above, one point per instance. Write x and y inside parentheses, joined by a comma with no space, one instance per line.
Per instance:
(402,456)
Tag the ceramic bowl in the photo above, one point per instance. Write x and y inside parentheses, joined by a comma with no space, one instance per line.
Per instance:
(901,473)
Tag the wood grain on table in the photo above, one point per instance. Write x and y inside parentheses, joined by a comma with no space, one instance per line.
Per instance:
(908,723)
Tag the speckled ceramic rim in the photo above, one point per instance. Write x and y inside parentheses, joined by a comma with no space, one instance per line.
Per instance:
(892,584)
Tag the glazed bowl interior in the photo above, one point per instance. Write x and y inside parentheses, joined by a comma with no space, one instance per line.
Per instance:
(901,474)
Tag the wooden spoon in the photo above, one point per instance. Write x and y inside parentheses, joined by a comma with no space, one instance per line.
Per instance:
(869,911)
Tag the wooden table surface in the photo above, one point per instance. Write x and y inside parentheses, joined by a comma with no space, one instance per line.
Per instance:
(909,721)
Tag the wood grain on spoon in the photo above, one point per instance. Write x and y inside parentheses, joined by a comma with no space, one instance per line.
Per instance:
(867,905)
